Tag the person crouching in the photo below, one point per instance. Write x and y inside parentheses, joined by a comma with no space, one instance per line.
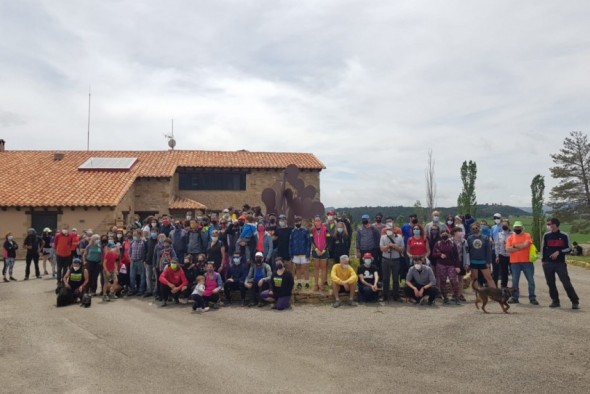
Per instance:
(420,282)
(173,282)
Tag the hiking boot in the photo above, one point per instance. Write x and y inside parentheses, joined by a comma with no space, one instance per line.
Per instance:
(205,309)
(554,304)
(534,302)
(513,301)
(576,305)
(6,280)
(336,304)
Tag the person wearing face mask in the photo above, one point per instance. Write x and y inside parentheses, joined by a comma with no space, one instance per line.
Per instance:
(420,282)
(407,228)
(321,241)
(435,221)
(10,248)
(281,287)
(433,237)
(196,240)
(76,279)
(258,279)
(418,244)
(367,238)
(236,279)
(213,286)
(448,266)
(150,275)
(502,257)
(166,227)
(518,245)
(179,237)
(392,249)
(125,263)
(216,251)
(264,242)
(48,251)
(138,253)
(173,282)
(340,242)
(92,258)
(163,256)
(468,221)
(300,250)
(344,280)
(283,235)
(461,245)
(368,280)
(554,248)
(110,266)
(480,255)
(63,251)
(34,244)
(494,231)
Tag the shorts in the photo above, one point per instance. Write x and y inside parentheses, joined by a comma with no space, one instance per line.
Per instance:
(300,259)
(110,277)
(46,251)
(324,255)
(342,289)
(478,267)
(462,272)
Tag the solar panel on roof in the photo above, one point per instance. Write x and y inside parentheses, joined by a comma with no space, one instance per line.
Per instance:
(108,163)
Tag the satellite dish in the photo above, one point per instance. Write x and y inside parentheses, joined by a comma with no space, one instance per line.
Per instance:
(171,143)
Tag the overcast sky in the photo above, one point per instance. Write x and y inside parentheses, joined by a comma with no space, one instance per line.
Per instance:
(367,86)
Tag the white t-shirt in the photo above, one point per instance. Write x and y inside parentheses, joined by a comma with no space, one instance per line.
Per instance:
(199,289)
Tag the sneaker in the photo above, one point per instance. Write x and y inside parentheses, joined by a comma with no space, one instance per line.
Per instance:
(6,280)
(352,303)
(457,301)
(534,302)
(423,301)
(576,305)
(243,303)
(273,306)
(113,296)
(45,273)
(299,287)
(131,293)
(513,301)
(13,279)
(307,286)
(446,301)
(260,304)
(146,295)
(105,298)
(462,298)
(431,303)
(205,309)
(250,305)
(336,304)
(176,301)
(194,307)
(38,276)
(226,303)
(26,278)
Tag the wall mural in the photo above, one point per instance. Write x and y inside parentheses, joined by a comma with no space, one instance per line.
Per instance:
(297,200)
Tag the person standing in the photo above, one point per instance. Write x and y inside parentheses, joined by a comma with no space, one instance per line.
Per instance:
(392,249)
(138,258)
(47,251)
(63,251)
(34,245)
(435,221)
(299,250)
(10,248)
(283,233)
(367,238)
(448,266)
(518,245)
(480,255)
(502,259)
(321,240)
(554,248)
(92,258)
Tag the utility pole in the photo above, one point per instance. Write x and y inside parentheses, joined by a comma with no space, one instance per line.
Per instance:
(88,136)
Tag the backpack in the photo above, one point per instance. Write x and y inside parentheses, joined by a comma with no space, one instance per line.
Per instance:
(533,253)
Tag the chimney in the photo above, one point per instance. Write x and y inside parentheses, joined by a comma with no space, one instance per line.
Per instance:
(58,156)
(2,143)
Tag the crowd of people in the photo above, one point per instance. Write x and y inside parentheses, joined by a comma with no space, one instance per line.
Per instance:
(263,258)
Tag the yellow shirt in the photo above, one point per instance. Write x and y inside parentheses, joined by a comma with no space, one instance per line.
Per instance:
(340,275)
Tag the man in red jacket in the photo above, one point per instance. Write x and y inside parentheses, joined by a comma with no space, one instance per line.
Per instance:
(63,251)
(173,282)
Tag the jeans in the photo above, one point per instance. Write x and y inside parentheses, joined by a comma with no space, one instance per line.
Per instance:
(280,302)
(229,286)
(255,291)
(550,269)
(199,302)
(501,271)
(366,293)
(137,269)
(34,257)
(149,278)
(528,269)
(390,268)
(431,292)
(94,269)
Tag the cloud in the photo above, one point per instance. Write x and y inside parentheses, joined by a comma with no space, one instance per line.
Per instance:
(368,90)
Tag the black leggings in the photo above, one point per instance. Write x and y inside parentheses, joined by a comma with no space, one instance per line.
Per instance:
(34,257)
(94,269)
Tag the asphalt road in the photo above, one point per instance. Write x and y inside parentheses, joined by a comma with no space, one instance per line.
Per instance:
(134,346)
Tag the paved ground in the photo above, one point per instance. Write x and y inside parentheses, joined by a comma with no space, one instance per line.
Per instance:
(132,346)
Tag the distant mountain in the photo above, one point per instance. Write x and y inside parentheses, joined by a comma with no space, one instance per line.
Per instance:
(485,211)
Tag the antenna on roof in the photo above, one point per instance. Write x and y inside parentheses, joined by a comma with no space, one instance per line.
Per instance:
(170,137)
(88,136)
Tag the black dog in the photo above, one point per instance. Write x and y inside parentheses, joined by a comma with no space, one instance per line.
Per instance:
(64,296)
(86,301)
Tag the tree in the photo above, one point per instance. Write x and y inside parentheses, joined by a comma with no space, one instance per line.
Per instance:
(419,211)
(572,195)
(430,183)
(537,189)
(466,202)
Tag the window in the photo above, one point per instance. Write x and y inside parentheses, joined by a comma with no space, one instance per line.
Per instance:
(212,181)
(40,220)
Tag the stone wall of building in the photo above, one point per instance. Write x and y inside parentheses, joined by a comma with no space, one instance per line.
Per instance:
(153,194)
(256,182)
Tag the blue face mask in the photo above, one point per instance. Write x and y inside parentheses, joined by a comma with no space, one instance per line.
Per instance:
(340,229)
(111,244)
(237,260)
(153,235)
(367,261)
(416,232)
(135,238)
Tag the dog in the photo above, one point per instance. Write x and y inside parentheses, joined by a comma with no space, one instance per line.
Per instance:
(86,301)
(65,297)
(499,295)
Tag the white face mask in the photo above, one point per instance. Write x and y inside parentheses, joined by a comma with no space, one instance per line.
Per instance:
(214,239)
(497,221)
(188,217)
(389,225)
(389,233)
(435,219)
(418,266)
(330,217)
(64,232)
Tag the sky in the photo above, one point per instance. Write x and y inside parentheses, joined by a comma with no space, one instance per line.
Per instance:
(369,87)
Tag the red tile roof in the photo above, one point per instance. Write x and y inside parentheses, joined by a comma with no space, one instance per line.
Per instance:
(34,178)
(185,203)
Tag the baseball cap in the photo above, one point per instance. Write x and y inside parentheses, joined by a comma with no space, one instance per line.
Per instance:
(365,216)
(497,216)
(258,254)
(242,217)
(367,256)
(281,216)
(76,261)
(330,213)
(518,223)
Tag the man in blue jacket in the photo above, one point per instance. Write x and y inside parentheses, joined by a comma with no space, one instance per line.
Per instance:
(555,246)
(236,279)
(299,251)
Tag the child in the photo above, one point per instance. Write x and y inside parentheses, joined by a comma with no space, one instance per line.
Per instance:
(199,304)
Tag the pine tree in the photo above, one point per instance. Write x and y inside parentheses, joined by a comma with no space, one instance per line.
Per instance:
(467,202)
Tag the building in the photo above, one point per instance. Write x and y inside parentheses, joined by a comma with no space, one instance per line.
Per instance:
(99,189)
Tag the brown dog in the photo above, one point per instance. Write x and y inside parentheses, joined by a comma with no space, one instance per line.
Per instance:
(500,295)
